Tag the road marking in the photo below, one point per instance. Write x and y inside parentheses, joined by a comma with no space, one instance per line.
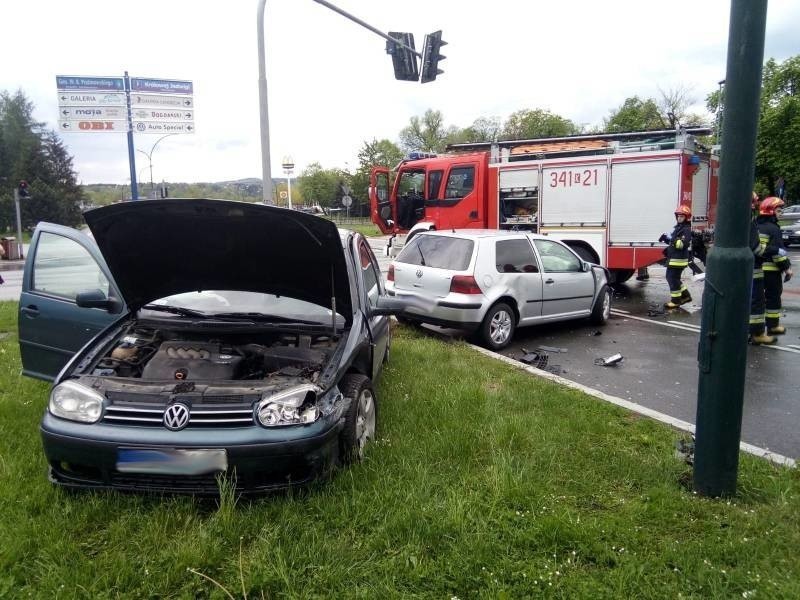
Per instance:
(696,329)
(632,406)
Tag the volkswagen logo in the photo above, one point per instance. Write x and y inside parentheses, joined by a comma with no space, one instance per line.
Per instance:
(419,273)
(176,417)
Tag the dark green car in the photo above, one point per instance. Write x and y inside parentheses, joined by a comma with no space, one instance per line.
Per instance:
(194,338)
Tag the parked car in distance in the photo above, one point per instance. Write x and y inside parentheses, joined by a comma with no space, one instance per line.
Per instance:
(790,232)
(491,282)
(197,338)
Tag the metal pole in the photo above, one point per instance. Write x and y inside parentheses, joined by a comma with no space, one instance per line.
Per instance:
(19,223)
(131,153)
(289,187)
(266,171)
(722,352)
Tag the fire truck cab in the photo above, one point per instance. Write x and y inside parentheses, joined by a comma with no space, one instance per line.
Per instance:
(607,196)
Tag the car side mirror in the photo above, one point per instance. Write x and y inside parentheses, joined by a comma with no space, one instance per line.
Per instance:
(97,299)
(586,267)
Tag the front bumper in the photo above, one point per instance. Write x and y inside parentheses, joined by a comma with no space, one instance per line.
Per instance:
(259,460)
(790,237)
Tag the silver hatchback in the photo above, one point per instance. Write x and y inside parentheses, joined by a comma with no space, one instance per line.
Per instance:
(491,282)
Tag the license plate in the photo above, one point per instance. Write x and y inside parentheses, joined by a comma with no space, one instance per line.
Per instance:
(171,461)
(786,236)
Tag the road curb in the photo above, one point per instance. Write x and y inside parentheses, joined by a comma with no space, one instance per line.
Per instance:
(773,457)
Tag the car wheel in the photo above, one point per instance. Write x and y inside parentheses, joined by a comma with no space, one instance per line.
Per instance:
(602,307)
(498,326)
(361,418)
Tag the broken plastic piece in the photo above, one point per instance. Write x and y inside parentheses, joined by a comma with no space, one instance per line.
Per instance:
(551,349)
(596,332)
(614,359)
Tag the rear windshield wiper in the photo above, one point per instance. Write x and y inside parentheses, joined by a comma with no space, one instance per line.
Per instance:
(176,310)
(258,316)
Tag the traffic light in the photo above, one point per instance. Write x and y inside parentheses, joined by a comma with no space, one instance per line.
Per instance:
(431,56)
(22,189)
(404,59)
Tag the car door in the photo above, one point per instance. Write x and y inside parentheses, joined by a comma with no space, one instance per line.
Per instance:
(568,290)
(371,288)
(518,272)
(61,263)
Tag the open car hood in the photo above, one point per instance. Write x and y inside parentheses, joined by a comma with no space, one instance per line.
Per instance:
(156,248)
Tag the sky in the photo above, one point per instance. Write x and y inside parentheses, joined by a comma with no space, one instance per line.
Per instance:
(331,85)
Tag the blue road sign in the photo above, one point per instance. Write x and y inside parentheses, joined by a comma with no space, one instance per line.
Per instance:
(161,86)
(110,84)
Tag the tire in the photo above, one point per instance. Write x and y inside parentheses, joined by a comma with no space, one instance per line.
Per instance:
(620,275)
(497,327)
(361,419)
(601,311)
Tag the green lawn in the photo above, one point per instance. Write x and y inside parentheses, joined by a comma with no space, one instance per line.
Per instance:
(484,482)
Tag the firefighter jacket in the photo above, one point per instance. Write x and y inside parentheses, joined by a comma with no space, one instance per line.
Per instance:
(770,235)
(757,245)
(679,245)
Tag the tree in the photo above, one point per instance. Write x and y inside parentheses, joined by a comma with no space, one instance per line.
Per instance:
(635,114)
(377,153)
(483,129)
(29,152)
(427,133)
(318,185)
(777,153)
(528,124)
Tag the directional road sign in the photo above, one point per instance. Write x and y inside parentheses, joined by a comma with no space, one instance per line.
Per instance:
(108,84)
(161,86)
(161,101)
(92,126)
(162,127)
(71,98)
(97,113)
(162,114)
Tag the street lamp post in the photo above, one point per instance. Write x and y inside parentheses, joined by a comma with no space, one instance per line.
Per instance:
(288,165)
(266,173)
(149,156)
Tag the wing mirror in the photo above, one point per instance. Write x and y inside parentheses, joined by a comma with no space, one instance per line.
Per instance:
(97,299)
(586,267)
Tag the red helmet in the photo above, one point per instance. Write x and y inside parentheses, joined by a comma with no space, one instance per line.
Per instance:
(684,210)
(769,205)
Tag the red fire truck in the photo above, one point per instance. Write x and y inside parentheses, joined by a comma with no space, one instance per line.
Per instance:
(607,196)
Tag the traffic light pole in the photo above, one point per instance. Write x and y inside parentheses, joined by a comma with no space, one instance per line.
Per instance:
(19,223)
(131,153)
(722,352)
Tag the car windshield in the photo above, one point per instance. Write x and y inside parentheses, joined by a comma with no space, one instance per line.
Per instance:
(231,303)
(438,252)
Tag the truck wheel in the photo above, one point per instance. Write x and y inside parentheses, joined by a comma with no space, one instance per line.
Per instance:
(618,276)
(601,311)
(498,326)
(360,421)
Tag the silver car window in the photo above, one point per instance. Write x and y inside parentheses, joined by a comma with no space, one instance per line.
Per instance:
(515,256)
(557,258)
(438,252)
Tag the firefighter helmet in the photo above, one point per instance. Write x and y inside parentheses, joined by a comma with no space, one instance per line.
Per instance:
(684,210)
(769,205)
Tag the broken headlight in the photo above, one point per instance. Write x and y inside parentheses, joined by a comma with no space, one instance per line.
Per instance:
(297,406)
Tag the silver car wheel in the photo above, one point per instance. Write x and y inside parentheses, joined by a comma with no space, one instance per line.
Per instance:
(500,327)
(365,421)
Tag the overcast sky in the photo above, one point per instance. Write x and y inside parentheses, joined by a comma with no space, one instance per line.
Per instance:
(331,84)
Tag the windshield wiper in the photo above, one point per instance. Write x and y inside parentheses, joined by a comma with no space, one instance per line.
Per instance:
(258,316)
(176,310)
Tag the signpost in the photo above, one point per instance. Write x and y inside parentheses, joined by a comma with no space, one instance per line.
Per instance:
(125,105)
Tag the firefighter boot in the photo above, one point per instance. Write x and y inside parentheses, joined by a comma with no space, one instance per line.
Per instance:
(762,339)
(777,330)
(674,303)
(686,297)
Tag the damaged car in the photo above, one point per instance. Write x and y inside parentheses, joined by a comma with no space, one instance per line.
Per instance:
(193,339)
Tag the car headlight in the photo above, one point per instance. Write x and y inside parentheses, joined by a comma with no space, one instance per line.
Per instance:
(76,402)
(297,406)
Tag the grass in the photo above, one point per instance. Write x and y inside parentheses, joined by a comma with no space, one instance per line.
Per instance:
(484,483)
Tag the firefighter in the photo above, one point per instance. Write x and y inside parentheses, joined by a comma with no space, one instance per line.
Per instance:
(758,334)
(678,256)
(776,265)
